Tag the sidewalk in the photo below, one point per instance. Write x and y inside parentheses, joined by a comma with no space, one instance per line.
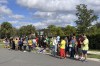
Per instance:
(94,52)
(94,59)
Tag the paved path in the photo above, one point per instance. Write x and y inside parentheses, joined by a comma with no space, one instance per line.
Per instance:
(18,58)
(94,52)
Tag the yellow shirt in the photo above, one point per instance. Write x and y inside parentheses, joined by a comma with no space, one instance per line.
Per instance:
(29,42)
(85,44)
(62,45)
(16,42)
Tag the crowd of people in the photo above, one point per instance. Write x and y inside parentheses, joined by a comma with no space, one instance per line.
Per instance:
(68,46)
(73,47)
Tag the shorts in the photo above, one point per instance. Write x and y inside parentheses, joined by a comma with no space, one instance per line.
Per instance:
(84,51)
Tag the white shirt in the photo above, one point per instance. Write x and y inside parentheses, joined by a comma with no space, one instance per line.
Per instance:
(34,40)
(55,42)
(58,38)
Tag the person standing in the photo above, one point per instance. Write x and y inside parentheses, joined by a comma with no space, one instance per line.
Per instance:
(58,39)
(62,48)
(47,42)
(85,48)
(79,50)
(72,47)
(30,44)
(6,41)
(16,43)
(54,46)
(12,42)
(58,43)
(66,47)
(24,45)
(34,43)
(37,41)
(20,44)
(44,42)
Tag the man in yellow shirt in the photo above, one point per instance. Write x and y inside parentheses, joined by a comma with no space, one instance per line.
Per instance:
(16,43)
(85,48)
(30,44)
(62,48)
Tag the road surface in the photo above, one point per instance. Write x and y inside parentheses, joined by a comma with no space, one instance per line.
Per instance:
(18,58)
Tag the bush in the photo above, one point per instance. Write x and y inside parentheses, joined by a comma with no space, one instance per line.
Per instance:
(94,42)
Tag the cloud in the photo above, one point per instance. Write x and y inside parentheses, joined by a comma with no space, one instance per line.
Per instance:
(18,24)
(60,20)
(3,1)
(18,17)
(5,10)
(94,3)
(54,18)
(53,12)
(53,15)
(1,17)
(50,5)
(59,5)
(57,12)
(13,22)
(44,15)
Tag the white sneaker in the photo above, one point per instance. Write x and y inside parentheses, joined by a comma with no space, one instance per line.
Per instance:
(24,51)
(81,59)
(76,56)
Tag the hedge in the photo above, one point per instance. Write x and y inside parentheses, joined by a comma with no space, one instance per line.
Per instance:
(94,42)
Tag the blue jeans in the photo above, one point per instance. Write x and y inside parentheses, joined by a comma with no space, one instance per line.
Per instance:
(53,51)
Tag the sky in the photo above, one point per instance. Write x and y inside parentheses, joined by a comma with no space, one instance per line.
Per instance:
(42,13)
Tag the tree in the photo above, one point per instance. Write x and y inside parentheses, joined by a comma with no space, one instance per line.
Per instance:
(69,30)
(6,30)
(85,17)
(98,24)
(92,30)
(14,32)
(52,29)
(26,30)
(55,30)
(59,31)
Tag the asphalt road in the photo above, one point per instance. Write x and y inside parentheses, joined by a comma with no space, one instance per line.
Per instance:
(18,58)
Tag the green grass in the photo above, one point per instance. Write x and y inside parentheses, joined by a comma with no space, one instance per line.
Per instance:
(94,50)
(1,45)
(94,56)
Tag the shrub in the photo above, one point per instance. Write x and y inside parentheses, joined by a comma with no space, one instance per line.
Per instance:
(94,42)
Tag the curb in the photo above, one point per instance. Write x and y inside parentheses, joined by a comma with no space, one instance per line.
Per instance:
(94,59)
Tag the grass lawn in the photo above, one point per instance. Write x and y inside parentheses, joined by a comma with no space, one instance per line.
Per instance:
(94,56)
(94,50)
(1,44)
